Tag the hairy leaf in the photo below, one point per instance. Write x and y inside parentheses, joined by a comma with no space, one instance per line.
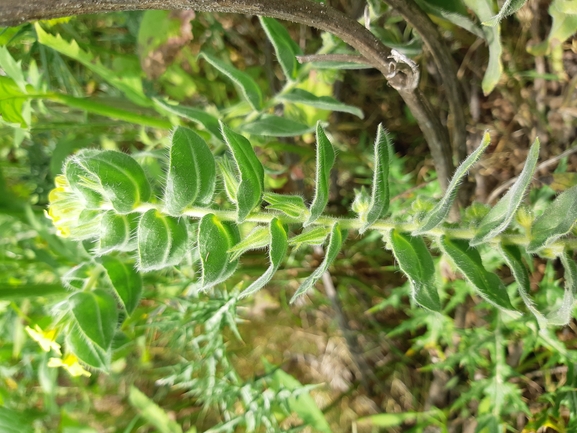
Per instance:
(508,8)
(500,216)
(292,206)
(200,117)
(77,277)
(314,236)
(457,16)
(468,262)
(333,249)
(562,315)
(258,238)
(86,351)
(557,220)
(191,177)
(325,161)
(249,88)
(229,178)
(96,315)
(116,232)
(301,96)
(215,238)
(126,282)
(416,262)
(162,241)
(442,208)
(249,194)
(285,48)
(82,181)
(277,251)
(275,126)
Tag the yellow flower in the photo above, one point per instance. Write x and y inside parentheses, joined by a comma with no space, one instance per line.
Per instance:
(46,339)
(70,364)
(64,208)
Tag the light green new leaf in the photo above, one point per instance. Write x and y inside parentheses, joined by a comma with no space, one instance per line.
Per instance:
(129,84)
(249,88)
(121,178)
(301,96)
(468,262)
(500,216)
(275,126)
(315,236)
(215,238)
(116,233)
(162,241)
(126,282)
(152,413)
(292,206)
(96,315)
(484,10)
(285,48)
(512,256)
(333,249)
(229,178)
(562,315)
(249,194)
(508,8)
(200,117)
(277,251)
(86,350)
(556,221)
(12,68)
(14,105)
(258,238)
(325,161)
(379,204)
(416,262)
(191,177)
(442,208)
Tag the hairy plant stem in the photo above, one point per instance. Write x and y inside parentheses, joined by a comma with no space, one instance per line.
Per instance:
(307,12)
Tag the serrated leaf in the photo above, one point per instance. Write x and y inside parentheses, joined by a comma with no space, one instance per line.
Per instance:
(162,241)
(285,48)
(96,315)
(325,161)
(116,232)
(379,204)
(416,262)
(258,238)
(512,256)
(215,238)
(251,186)
(191,177)
(508,8)
(468,262)
(301,96)
(200,117)
(77,277)
(248,87)
(277,251)
(292,206)
(14,105)
(500,216)
(442,208)
(275,126)
(562,315)
(315,236)
(86,350)
(121,178)
(556,221)
(333,249)
(152,413)
(12,68)
(126,282)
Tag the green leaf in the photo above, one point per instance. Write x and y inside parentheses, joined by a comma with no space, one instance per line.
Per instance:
(258,238)
(512,256)
(86,350)
(215,238)
(249,194)
(121,178)
(442,208)
(275,126)
(152,413)
(564,22)
(379,204)
(500,216)
(556,221)
(292,206)
(333,249)
(301,96)
(14,105)
(162,241)
(229,178)
(191,175)
(562,315)
(508,8)
(396,419)
(325,161)
(484,10)
(82,181)
(14,422)
(128,83)
(12,68)
(96,315)
(285,48)
(416,262)
(126,282)
(116,232)
(457,16)
(248,87)
(200,117)
(277,251)
(468,262)
(314,236)
(77,277)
